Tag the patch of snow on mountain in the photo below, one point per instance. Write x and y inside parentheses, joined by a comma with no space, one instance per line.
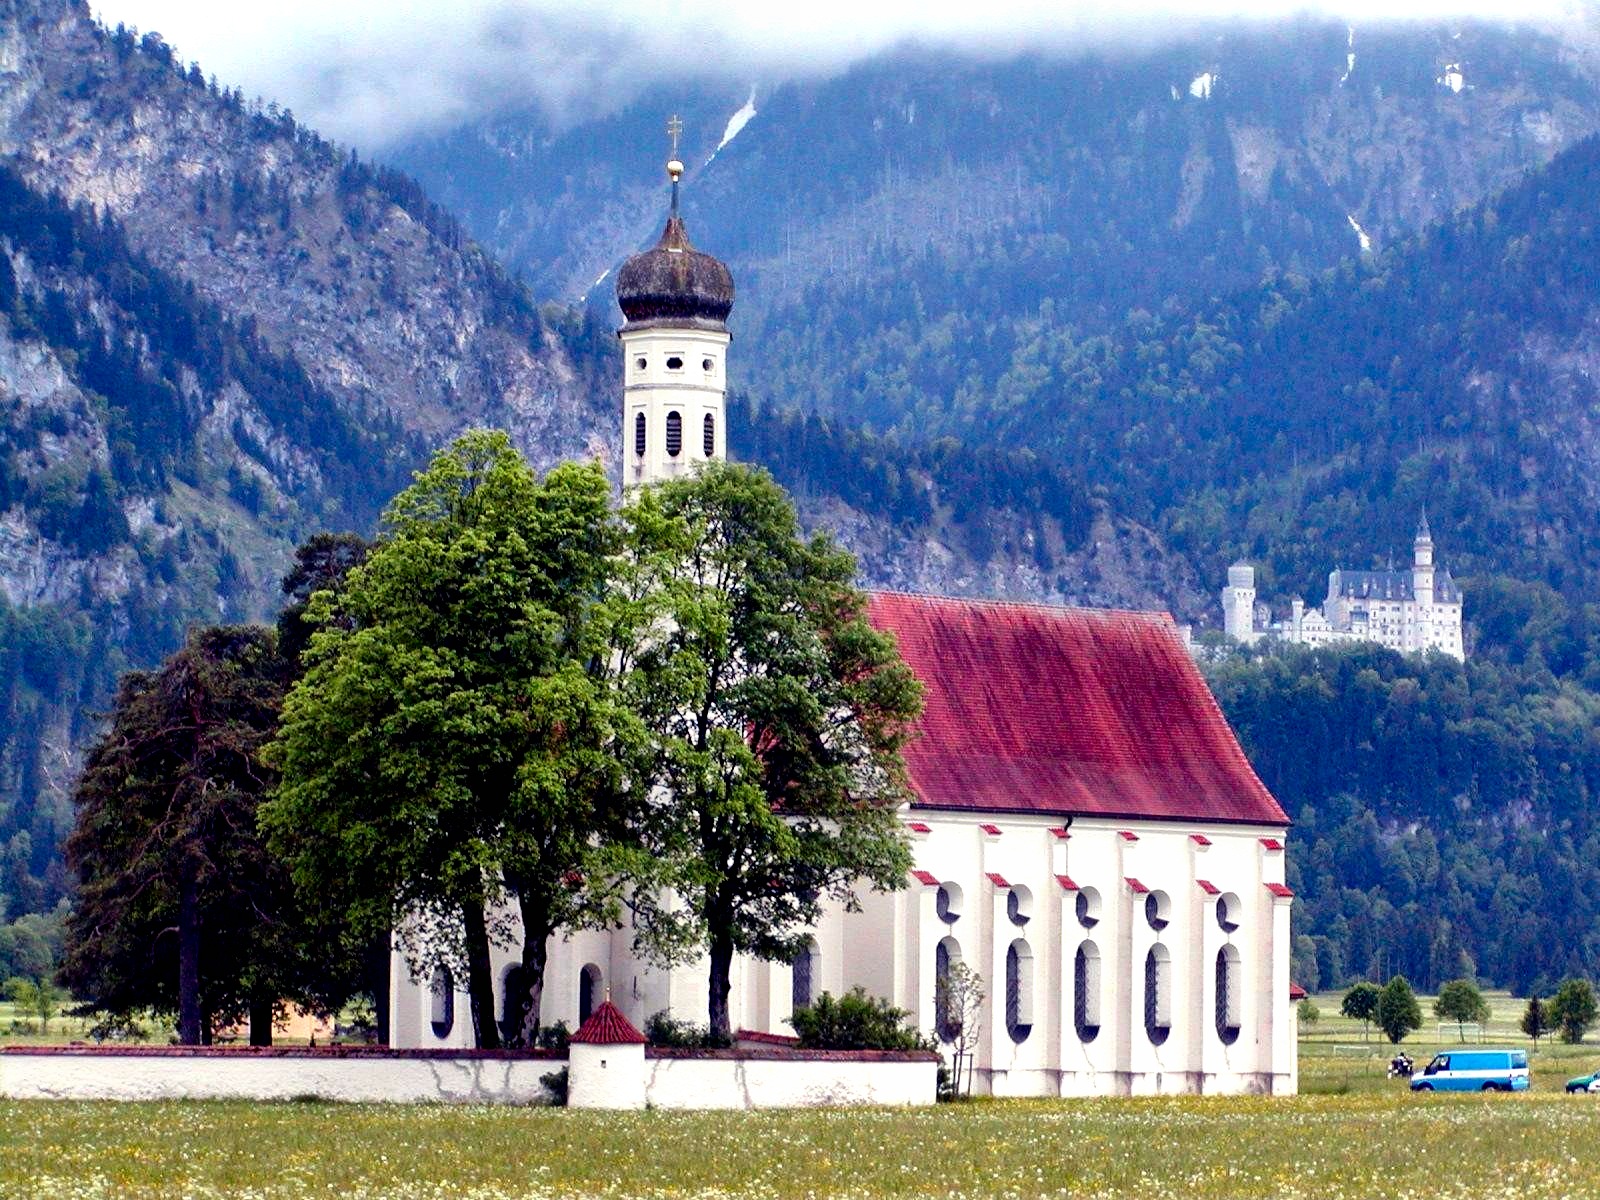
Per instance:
(1350,57)
(1200,89)
(1176,94)
(738,121)
(1453,78)
(1361,234)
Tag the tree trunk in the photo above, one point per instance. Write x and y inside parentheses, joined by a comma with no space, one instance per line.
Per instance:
(378,966)
(190,1023)
(535,953)
(261,1020)
(480,977)
(719,984)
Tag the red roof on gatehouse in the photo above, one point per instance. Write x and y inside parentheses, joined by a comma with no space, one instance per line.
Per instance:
(1029,708)
(607,1026)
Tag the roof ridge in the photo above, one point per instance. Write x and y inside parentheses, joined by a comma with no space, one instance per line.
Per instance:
(1154,616)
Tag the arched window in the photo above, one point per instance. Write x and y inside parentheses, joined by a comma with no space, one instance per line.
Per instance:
(946,1020)
(443,1014)
(1229,910)
(1019,905)
(638,435)
(513,1003)
(1086,991)
(711,436)
(1087,907)
(1158,994)
(1158,910)
(1228,987)
(588,992)
(804,971)
(948,903)
(1019,990)
(674,434)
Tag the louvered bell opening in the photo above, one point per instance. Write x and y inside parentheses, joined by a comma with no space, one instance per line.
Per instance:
(638,435)
(711,436)
(674,434)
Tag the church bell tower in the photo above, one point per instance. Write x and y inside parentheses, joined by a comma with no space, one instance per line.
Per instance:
(675,303)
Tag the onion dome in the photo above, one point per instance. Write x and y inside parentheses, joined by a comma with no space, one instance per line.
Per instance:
(672,283)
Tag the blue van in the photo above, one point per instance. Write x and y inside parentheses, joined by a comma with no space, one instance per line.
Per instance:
(1474,1071)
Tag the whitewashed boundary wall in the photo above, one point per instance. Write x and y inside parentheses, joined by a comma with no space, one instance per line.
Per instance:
(677,1079)
(181,1073)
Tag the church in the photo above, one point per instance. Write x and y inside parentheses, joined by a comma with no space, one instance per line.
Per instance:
(1087,834)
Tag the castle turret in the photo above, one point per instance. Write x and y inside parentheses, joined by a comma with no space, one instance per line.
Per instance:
(675,301)
(1422,566)
(1239,603)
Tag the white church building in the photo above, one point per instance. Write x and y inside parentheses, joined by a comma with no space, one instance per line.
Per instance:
(1412,610)
(1088,835)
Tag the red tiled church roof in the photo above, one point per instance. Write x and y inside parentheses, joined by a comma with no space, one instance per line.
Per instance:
(607,1026)
(1066,711)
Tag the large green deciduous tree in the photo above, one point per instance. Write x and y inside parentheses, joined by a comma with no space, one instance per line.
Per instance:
(457,738)
(1397,1012)
(181,909)
(1573,1009)
(1461,1001)
(776,714)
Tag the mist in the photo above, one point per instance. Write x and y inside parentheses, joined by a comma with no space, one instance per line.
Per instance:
(370,72)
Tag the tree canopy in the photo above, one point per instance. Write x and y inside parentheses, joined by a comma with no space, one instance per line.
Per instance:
(776,715)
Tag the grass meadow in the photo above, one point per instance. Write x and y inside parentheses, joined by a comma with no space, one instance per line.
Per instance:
(1351,1133)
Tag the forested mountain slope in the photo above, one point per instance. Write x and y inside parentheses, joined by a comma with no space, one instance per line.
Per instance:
(1314,417)
(900,230)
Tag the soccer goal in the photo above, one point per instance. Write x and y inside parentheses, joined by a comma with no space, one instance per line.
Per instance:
(1455,1031)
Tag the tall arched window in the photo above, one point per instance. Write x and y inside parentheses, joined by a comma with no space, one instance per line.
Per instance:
(588,992)
(1158,910)
(804,972)
(711,436)
(946,1019)
(513,1003)
(443,1014)
(947,903)
(1158,994)
(1228,987)
(1019,990)
(674,433)
(638,434)
(1086,991)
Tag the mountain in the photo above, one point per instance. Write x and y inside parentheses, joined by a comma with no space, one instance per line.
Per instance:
(218,333)
(898,230)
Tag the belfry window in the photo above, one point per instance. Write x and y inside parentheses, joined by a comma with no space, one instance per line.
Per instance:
(708,365)
(711,436)
(638,435)
(675,363)
(674,434)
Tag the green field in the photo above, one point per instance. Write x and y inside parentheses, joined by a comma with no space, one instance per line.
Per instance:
(1351,1133)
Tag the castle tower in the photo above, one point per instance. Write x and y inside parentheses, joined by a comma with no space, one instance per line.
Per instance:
(1239,603)
(675,303)
(1422,566)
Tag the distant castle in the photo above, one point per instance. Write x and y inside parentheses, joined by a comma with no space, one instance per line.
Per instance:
(1406,610)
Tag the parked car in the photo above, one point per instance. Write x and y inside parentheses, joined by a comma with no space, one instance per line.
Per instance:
(1585,1083)
(1474,1071)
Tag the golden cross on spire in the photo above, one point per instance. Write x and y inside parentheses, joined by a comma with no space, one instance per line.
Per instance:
(674,128)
